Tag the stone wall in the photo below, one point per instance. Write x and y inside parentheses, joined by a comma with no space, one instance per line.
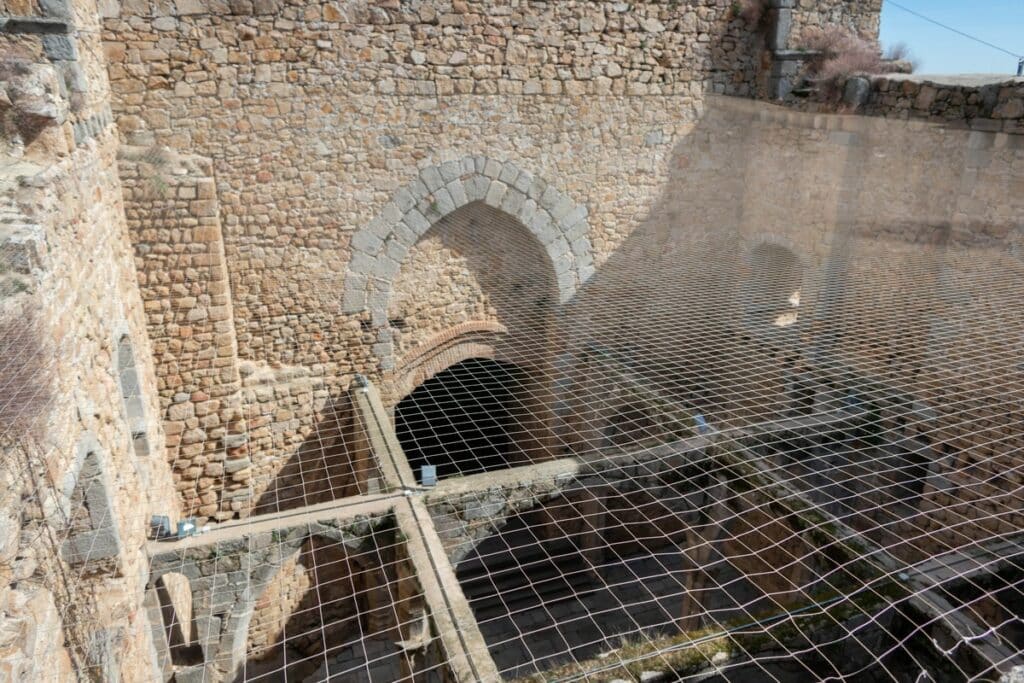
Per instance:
(285,597)
(297,85)
(913,292)
(176,232)
(961,226)
(82,463)
(435,290)
(905,242)
(985,103)
(226,422)
(271,612)
(324,599)
(314,115)
(860,16)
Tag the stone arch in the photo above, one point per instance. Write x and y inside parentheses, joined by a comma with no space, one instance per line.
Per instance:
(229,652)
(174,599)
(474,339)
(378,249)
(476,415)
(497,521)
(92,543)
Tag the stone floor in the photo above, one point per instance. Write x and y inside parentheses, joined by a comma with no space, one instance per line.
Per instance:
(872,656)
(374,660)
(551,614)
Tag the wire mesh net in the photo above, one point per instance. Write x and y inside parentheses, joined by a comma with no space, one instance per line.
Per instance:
(772,432)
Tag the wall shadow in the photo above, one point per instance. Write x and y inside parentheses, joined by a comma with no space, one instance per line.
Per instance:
(330,464)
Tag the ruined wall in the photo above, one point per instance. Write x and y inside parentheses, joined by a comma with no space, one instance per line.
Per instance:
(82,455)
(670,307)
(915,300)
(860,16)
(906,242)
(314,606)
(313,115)
(952,245)
(314,594)
(271,612)
(978,102)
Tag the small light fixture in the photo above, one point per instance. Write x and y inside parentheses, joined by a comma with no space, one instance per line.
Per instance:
(187,527)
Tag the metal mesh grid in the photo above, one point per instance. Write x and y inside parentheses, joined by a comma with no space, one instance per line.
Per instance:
(743,450)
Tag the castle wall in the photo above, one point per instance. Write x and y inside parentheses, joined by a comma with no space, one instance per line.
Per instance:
(979,103)
(175,230)
(314,114)
(909,288)
(945,238)
(81,436)
(294,126)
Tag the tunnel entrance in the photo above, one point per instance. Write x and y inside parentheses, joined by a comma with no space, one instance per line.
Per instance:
(463,420)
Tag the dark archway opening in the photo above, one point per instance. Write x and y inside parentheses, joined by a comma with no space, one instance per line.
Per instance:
(464,420)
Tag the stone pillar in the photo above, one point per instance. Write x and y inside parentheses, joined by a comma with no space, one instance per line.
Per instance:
(578,517)
(414,624)
(780,23)
(173,216)
(590,540)
(697,553)
(593,404)
(534,419)
(785,62)
(373,583)
(700,546)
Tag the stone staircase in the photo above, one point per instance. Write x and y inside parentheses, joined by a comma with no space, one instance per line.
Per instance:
(523,576)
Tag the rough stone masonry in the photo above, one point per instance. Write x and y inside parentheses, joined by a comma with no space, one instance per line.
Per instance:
(243,196)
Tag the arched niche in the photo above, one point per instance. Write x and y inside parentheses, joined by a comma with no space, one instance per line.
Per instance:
(476,265)
(92,541)
(557,224)
(131,395)
(174,598)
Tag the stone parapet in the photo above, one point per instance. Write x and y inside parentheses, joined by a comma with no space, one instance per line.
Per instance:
(987,103)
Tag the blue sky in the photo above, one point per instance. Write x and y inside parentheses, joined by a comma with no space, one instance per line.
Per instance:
(942,52)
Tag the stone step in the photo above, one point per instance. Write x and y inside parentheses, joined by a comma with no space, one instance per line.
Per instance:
(523,583)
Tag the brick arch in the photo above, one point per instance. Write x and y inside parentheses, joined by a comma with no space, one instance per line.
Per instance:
(472,339)
(379,247)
